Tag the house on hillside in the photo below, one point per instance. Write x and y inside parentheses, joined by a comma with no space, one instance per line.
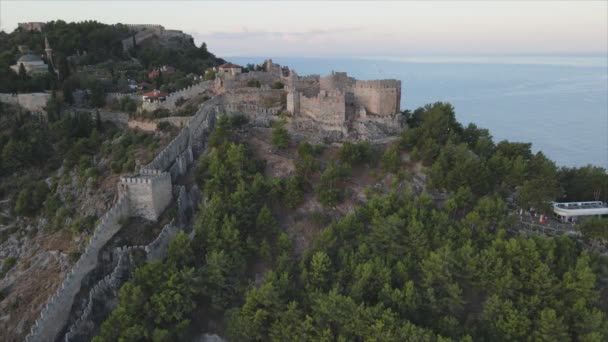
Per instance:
(229,69)
(155,96)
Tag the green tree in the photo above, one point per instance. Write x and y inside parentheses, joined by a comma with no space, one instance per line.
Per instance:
(280,136)
(330,190)
(391,159)
(318,275)
(98,95)
(550,327)
(22,72)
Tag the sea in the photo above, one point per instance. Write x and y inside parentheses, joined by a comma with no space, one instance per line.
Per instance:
(559,104)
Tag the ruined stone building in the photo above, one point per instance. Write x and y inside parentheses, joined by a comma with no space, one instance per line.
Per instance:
(334,103)
(144,32)
(336,100)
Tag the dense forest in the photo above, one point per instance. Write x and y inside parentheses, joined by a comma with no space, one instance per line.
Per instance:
(401,267)
(90,43)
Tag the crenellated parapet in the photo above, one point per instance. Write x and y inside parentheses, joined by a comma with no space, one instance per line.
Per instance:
(167,155)
(171,100)
(149,193)
(378,84)
(338,102)
(145,194)
(109,285)
(55,313)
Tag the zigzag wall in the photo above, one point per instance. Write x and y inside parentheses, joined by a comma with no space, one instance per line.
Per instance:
(191,139)
(84,327)
(57,310)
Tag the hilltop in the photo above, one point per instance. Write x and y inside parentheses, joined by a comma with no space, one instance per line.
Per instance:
(156,199)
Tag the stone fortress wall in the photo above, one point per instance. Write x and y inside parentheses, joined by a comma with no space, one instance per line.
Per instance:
(149,193)
(34,102)
(328,109)
(118,96)
(146,194)
(99,298)
(57,310)
(144,32)
(358,99)
(186,94)
(378,97)
(334,103)
(140,27)
(101,295)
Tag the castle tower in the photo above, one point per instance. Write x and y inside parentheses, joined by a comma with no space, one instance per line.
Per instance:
(149,193)
(48,51)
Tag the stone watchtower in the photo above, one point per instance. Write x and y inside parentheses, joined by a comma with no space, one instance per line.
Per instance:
(149,193)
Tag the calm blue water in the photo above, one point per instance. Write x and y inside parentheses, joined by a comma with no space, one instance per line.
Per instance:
(561,109)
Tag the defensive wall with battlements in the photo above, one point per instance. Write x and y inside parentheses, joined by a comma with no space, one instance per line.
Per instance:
(170,101)
(118,96)
(361,98)
(145,32)
(146,194)
(335,102)
(55,313)
(101,298)
(149,193)
(34,102)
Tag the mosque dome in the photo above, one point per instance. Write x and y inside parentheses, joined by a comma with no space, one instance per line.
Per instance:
(29,58)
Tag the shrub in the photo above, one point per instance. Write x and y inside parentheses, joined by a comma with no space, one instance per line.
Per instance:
(179,102)
(356,153)
(390,159)
(254,83)
(280,136)
(163,126)
(292,192)
(209,75)
(161,113)
(329,190)
(7,265)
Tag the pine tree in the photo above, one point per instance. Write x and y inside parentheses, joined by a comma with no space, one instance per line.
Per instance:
(550,327)
(159,79)
(22,72)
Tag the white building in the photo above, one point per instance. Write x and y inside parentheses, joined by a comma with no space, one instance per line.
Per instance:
(229,69)
(572,211)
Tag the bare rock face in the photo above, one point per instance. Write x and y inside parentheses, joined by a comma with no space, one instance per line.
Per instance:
(41,261)
(43,255)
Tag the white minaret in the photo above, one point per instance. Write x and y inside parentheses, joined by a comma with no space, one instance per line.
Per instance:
(49,51)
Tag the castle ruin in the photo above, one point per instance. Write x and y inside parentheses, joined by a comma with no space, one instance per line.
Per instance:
(337,99)
(335,103)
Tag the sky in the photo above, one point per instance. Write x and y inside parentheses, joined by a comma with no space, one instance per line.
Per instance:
(346,29)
